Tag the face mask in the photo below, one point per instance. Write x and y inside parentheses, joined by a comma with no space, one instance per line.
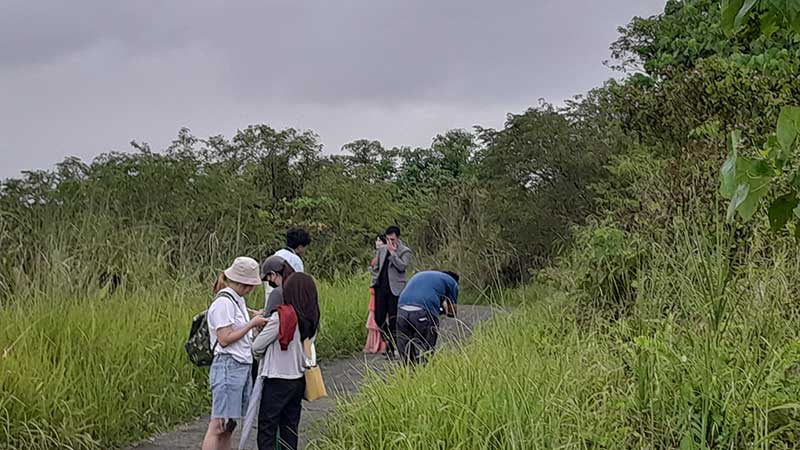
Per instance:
(272,284)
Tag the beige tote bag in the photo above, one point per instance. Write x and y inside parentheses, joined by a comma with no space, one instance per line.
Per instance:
(315,385)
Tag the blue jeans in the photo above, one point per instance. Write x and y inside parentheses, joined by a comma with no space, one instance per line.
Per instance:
(230,387)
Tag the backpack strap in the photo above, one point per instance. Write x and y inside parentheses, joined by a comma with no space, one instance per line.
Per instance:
(233,300)
(226,295)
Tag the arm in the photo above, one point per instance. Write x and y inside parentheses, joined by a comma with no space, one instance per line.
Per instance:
(275,299)
(373,264)
(267,336)
(452,298)
(221,316)
(401,261)
(449,308)
(227,335)
(454,293)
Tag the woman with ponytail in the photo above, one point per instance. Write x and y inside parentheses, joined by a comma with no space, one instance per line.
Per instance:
(229,327)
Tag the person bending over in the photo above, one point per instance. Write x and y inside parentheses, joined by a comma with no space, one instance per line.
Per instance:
(427,295)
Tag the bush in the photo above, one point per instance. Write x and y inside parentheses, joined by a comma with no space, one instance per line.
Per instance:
(719,370)
(608,262)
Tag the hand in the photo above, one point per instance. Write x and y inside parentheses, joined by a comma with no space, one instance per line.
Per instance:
(392,247)
(258,322)
(449,308)
(379,244)
(255,312)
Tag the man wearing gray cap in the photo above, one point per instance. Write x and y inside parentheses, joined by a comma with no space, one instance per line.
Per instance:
(274,271)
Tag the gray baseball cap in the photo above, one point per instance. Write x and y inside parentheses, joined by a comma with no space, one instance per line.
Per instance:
(272,264)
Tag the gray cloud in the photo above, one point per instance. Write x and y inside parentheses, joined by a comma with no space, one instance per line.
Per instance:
(79,78)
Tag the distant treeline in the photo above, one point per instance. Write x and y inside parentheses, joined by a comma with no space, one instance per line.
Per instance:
(495,204)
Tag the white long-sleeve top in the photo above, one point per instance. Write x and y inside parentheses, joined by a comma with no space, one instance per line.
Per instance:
(286,364)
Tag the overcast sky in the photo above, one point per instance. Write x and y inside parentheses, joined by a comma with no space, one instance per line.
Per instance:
(87,76)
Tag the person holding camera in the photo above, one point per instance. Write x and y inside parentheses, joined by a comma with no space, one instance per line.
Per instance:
(427,295)
(388,280)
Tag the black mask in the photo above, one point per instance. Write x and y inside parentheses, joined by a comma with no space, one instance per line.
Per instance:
(272,284)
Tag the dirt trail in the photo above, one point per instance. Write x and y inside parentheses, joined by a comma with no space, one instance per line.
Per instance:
(342,378)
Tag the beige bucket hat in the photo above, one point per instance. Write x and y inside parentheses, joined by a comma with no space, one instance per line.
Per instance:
(244,270)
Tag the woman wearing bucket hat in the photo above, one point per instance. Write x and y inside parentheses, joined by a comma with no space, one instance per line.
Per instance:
(229,326)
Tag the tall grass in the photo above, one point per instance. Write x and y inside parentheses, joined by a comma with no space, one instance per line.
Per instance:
(343,319)
(708,358)
(90,373)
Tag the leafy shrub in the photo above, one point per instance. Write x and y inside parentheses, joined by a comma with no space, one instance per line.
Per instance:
(609,261)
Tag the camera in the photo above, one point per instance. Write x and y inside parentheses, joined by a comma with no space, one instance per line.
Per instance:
(382,237)
(444,302)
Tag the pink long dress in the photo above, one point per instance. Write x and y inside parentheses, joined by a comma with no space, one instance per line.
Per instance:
(374,342)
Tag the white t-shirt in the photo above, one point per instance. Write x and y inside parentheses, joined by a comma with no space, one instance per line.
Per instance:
(223,313)
(292,258)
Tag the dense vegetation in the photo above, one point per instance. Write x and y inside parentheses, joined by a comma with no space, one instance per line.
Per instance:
(93,372)
(656,216)
(671,320)
(503,196)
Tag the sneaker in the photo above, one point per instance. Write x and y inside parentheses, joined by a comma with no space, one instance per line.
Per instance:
(230,425)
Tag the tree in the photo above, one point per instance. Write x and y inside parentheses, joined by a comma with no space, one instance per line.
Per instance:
(690,30)
(369,160)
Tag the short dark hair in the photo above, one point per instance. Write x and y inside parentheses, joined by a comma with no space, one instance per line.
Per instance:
(297,237)
(393,229)
(453,275)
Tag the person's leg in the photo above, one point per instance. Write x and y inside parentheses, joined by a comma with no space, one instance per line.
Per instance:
(405,333)
(430,335)
(421,326)
(391,319)
(290,418)
(411,328)
(213,438)
(222,394)
(274,397)
(380,312)
(226,441)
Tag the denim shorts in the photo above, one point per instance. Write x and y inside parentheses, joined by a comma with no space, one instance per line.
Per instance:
(231,385)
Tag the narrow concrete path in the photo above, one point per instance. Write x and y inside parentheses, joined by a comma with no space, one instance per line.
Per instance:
(342,378)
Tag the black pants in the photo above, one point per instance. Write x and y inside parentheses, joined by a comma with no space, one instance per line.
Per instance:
(254,371)
(417,333)
(386,316)
(281,403)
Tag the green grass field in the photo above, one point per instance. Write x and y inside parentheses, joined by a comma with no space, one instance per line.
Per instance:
(100,371)
(697,364)
(707,358)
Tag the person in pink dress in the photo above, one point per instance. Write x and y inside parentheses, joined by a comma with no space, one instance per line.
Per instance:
(375,343)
